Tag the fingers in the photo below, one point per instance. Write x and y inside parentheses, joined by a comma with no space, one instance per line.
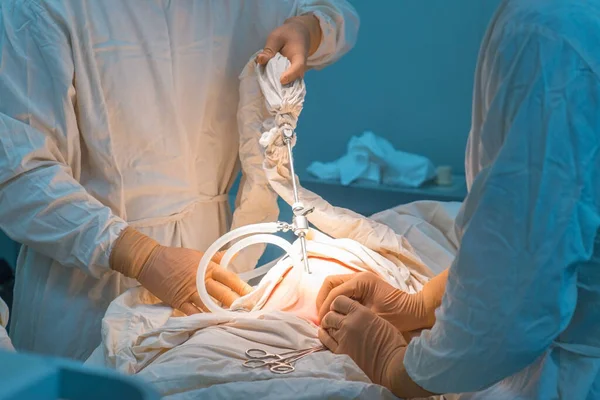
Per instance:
(272,46)
(295,46)
(330,283)
(218,257)
(220,292)
(410,335)
(327,340)
(296,69)
(193,306)
(347,289)
(195,300)
(223,285)
(332,320)
(231,280)
(344,305)
(189,309)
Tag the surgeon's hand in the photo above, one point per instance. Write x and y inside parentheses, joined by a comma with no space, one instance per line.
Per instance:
(297,39)
(374,344)
(406,312)
(169,273)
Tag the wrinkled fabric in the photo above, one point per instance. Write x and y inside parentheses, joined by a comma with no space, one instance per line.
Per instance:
(263,100)
(523,294)
(187,357)
(5,343)
(121,113)
(154,342)
(372,158)
(203,352)
(429,228)
(289,288)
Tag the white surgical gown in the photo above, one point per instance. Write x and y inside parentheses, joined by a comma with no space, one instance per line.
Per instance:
(522,306)
(116,113)
(5,343)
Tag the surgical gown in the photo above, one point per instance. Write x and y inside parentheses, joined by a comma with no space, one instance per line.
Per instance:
(116,113)
(521,314)
(5,343)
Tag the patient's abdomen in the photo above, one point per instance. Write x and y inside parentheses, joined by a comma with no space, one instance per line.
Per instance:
(297,292)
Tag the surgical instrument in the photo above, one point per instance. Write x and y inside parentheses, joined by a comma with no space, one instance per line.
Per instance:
(259,233)
(261,354)
(281,365)
(281,134)
(300,222)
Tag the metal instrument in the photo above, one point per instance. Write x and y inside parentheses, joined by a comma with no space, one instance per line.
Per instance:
(277,363)
(300,221)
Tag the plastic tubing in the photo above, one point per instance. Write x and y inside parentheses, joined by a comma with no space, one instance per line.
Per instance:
(263,235)
(250,241)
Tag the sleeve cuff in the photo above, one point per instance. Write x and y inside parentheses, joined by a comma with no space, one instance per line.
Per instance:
(100,260)
(326,51)
(417,358)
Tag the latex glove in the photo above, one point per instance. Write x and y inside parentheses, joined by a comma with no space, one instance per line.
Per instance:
(169,273)
(374,345)
(406,312)
(297,39)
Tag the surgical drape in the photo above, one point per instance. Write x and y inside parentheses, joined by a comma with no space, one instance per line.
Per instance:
(115,113)
(522,304)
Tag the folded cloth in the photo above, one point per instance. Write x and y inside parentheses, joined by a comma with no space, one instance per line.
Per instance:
(370,157)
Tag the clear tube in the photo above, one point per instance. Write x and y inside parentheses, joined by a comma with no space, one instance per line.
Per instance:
(259,272)
(262,237)
(247,242)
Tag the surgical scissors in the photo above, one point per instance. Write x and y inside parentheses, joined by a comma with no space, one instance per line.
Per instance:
(280,365)
(261,354)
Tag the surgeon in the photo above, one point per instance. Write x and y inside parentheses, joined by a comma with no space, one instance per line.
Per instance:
(518,312)
(119,145)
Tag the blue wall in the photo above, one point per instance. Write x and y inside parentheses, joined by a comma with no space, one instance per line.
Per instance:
(8,249)
(409,79)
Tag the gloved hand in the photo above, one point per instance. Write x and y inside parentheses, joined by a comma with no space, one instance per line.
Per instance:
(406,312)
(374,345)
(169,273)
(297,39)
